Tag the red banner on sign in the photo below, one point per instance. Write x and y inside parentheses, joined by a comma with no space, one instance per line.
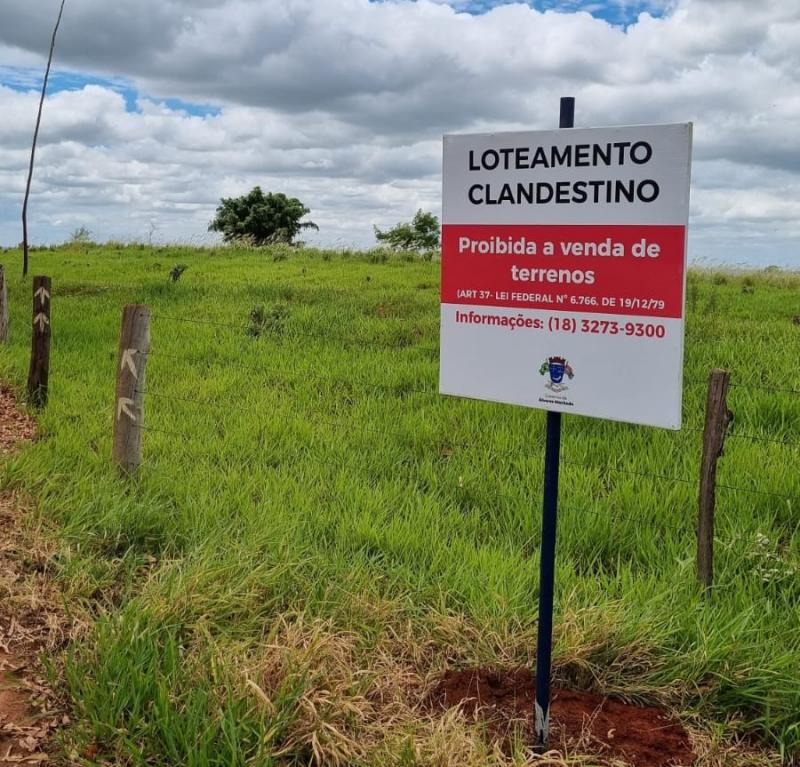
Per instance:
(628,270)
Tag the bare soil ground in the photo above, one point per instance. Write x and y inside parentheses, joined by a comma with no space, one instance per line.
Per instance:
(641,736)
(30,617)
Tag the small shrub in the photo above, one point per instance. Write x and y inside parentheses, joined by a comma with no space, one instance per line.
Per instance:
(81,236)
(768,563)
(267,320)
(176,272)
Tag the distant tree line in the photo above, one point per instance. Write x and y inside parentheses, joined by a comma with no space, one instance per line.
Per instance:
(266,219)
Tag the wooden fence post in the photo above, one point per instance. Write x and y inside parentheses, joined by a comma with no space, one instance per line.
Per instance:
(39,372)
(134,345)
(3,306)
(718,418)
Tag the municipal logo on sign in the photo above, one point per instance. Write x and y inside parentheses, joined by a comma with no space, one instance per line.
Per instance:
(557,368)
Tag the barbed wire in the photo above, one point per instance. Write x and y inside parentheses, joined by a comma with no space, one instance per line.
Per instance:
(751,437)
(193,321)
(335,421)
(632,472)
(567,462)
(306,455)
(401,388)
(404,462)
(415,387)
(462,483)
(159,278)
(791,499)
(302,284)
(764,387)
(758,438)
(215,401)
(420,343)
(282,376)
(285,334)
(288,334)
(448,496)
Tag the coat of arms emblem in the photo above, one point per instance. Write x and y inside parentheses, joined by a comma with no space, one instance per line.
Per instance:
(558,368)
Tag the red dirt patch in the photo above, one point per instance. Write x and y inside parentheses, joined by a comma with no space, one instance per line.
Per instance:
(581,722)
(29,618)
(20,731)
(15,427)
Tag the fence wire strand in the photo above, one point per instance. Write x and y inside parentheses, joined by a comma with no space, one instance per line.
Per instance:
(405,461)
(416,337)
(290,333)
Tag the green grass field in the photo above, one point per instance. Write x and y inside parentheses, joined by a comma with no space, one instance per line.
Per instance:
(315,533)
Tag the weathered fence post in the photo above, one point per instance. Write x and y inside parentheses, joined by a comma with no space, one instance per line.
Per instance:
(3,306)
(134,345)
(718,418)
(39,372)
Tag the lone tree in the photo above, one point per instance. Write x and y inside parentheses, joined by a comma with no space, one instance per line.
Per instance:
(420,234)
(262,219)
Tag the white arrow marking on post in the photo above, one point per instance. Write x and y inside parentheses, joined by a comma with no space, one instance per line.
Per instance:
(542,722)
(124,406)
(43,294)
(41,320)
(127,359)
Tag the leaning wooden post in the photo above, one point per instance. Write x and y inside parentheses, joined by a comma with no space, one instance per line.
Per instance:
(39,372)
(134,345)
(718,418)
(3,306)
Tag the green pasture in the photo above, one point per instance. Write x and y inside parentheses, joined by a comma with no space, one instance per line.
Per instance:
(300,470)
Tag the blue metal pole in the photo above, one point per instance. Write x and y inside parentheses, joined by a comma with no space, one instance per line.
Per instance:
(544,649)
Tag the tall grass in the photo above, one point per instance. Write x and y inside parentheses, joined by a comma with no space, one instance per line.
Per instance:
(301,472)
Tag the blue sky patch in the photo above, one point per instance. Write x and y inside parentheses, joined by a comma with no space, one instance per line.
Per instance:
(196,110)
(23,79)
(618,12)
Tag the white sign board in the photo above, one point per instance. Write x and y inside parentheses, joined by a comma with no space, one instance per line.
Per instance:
(564,270)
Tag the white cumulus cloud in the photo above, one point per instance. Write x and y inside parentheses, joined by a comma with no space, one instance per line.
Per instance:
(343,104)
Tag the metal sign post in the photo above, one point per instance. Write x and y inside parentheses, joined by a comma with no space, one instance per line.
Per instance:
(564,260)
(544,648)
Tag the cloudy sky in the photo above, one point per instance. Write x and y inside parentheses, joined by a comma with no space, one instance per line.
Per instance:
(157,108)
